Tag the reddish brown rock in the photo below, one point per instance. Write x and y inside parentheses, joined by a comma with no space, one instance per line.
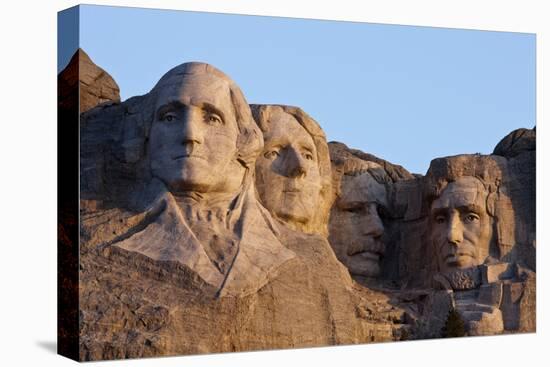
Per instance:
(93,83)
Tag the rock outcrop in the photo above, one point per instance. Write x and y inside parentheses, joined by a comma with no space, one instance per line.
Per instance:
(517,142)
(82,76)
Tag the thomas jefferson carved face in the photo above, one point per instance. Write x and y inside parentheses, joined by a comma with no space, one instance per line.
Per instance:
(193,139)
(288,178)
(355,226)
(461,228)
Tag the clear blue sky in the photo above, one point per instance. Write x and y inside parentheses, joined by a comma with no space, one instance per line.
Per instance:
(406,94)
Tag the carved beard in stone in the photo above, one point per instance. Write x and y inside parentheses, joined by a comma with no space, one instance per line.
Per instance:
(461,228)
(193,136)
(287,172)
(355,225)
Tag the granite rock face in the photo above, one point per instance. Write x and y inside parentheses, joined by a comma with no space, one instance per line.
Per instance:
(211,225)
(394,171)
(133,306)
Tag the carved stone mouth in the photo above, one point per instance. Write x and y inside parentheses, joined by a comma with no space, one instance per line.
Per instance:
(292,191)
(454,258)
(371,249)
(369,255)
(187,156)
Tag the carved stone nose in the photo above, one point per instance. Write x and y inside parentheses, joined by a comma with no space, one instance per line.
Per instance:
(296,165)
(454,230)
(192,130)
(298,171)
(376,229)
(373,224)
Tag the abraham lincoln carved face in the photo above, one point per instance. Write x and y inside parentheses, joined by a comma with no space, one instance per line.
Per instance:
(461,227)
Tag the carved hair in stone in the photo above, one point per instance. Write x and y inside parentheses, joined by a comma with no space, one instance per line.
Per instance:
(355,226)
(293,173)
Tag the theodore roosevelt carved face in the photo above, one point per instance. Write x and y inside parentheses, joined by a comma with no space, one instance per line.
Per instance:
(461,227)
(356,227)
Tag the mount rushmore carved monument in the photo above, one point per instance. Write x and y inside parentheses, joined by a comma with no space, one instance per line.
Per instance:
(211,225)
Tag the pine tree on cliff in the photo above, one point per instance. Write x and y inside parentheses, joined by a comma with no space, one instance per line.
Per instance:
(454,326)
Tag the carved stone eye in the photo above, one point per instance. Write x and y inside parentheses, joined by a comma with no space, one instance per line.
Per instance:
(439,219)
(272,154)
(169,117)
(354,209)
(213,119)
(472,217)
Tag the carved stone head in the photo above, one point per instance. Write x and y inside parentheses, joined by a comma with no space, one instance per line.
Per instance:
(293,171)
(460,224)
(202,138)
(355,226)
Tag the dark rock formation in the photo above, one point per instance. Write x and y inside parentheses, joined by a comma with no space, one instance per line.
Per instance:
(517,142)
(94,84)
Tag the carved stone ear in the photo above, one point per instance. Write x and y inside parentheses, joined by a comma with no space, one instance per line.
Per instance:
(505,222)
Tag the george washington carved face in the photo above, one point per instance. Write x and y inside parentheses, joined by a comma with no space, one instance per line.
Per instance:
(193,139)
(461,227)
